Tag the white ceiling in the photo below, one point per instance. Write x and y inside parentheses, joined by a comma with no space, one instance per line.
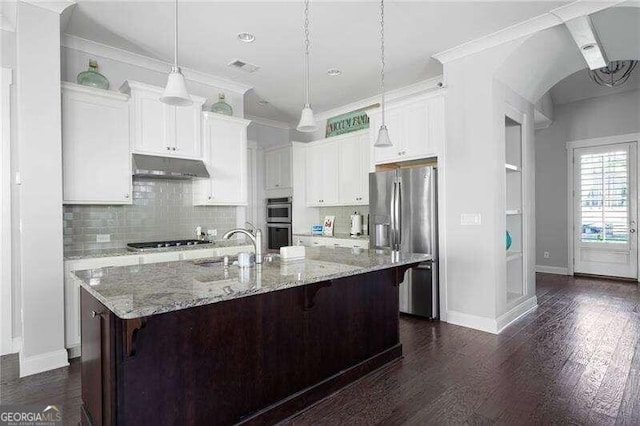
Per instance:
(619,32)
(579,86)
(344,35)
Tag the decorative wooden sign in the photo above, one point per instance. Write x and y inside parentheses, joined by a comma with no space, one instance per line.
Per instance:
(346,123)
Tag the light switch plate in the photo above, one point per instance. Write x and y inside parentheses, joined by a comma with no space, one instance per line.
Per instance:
(470,219)
(103,238)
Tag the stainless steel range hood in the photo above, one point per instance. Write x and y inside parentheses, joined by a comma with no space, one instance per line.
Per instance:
(168,168)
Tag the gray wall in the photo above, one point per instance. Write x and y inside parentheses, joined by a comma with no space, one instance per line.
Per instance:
(161,210)
(592,118)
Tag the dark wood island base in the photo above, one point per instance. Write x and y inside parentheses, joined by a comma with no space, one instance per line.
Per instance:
(257,359)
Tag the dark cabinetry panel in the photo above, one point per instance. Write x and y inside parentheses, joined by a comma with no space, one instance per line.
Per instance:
(256,359)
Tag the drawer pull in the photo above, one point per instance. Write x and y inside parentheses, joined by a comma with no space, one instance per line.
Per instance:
(95,314)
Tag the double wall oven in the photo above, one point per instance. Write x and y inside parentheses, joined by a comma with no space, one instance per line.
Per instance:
(278,223)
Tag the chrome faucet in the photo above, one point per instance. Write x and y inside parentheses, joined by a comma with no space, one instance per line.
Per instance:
(255,237)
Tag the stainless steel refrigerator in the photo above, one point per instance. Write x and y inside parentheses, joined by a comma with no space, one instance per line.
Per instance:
(403,207)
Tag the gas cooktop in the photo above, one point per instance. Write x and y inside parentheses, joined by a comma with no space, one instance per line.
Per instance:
(154,245)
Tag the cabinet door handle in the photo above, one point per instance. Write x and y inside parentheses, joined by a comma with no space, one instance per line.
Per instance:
(126,195)
(168,148)
(95,314)
(174,148)
(210,197)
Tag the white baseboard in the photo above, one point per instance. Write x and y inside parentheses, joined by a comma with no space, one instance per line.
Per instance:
(13,346)
(472,321)
(493,326)
(43,362)
(516,313)
(74,351)
(558,270)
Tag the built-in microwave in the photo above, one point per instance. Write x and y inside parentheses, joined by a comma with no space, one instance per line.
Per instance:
(279,210)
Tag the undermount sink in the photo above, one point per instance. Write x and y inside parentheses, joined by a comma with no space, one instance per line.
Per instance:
(216,262)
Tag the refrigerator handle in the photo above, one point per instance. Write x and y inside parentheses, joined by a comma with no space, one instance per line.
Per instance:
(399,215)
(392,211)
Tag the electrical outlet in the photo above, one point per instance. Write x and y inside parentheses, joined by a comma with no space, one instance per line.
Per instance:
(470,219)
(212,232)
(103,238)
(547,255)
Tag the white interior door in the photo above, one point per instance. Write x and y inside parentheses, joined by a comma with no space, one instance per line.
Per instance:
(605,210)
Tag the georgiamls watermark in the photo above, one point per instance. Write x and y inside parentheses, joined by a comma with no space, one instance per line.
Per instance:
(30,415)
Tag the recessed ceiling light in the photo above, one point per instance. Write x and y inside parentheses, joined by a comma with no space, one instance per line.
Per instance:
(263,102)
(334,72)
(588,46)
(246,37)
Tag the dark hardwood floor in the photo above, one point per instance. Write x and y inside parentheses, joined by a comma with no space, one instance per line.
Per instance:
(575,360)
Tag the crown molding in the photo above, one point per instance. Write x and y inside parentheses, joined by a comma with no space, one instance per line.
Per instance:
(269,122)
(424,86)
(526,28)
(116,54)
(53,6)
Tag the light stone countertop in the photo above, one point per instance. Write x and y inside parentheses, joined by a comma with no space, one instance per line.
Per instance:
(340,236)
(145,290)
(89,254)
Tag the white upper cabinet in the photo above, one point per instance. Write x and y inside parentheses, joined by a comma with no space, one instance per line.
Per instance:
(353,173)
(278,168)
(322,174)
(416,129)
(225,155)
(337,171)
(95,146)
(161,129)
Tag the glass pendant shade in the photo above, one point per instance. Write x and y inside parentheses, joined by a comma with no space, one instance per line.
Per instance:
(176,91)
(307,120)
(383,138)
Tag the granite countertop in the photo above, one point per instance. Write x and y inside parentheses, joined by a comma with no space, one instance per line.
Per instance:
(123,251)
(341,236)
(144,290)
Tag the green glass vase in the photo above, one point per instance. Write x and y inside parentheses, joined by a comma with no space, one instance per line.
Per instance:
(92,77)
(221,107)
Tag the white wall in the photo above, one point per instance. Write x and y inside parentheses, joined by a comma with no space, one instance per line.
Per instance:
(40,192)
(591,118)
(267,136)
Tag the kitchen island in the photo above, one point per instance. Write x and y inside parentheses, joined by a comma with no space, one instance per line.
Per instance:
(193,342)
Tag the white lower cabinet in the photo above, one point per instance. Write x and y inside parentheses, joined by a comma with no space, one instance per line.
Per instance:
(311,241)
(96,165)
(225,155)
(72,294)
(72,284)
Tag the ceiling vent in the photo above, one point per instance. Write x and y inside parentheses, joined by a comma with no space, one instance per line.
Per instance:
(244,66)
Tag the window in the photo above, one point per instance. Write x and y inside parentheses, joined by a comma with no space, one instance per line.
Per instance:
(604,206)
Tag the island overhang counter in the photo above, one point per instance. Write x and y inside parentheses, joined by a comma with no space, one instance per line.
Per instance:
(193,342)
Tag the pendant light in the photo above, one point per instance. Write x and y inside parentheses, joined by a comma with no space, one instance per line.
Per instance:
(383,134)
(176,91)
(307,120)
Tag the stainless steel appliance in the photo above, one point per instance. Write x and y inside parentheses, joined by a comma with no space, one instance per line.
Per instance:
(155,245)
(279,223)
(168,168)
(279,210)
(403,205)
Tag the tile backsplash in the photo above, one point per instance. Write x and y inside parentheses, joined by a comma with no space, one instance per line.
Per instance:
(342,224)
(161,210)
